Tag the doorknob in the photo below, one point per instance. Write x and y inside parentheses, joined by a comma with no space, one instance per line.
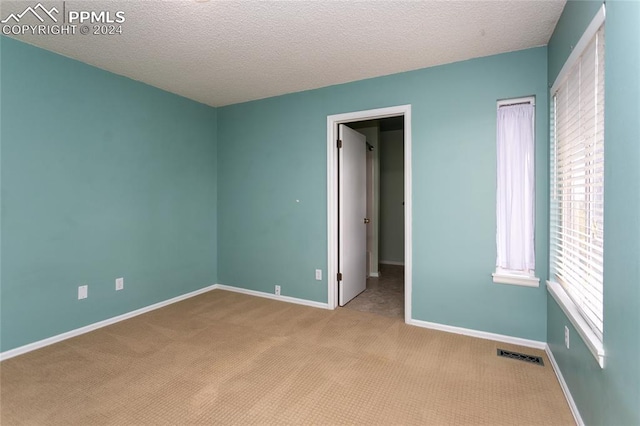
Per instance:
(366,220)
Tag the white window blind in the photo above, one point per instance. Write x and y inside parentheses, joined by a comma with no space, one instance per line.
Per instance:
(577,183)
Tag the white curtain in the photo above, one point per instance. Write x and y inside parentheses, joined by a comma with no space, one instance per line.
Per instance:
(516,189)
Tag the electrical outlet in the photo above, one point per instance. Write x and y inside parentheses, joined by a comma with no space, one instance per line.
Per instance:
(277,290)
(319,274)
(566,336)
(83,292)
(119,284)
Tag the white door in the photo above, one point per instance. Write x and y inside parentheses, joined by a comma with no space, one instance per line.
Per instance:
(353,208)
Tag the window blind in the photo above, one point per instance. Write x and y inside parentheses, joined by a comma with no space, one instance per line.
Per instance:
(577,183)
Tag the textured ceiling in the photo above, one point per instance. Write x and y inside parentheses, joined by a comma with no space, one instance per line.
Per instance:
(225,52)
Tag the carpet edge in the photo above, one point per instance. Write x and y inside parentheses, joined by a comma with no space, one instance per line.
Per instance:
(20,350)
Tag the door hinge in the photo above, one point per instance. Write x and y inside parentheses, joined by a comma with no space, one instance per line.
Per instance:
(339,276)
(339,143)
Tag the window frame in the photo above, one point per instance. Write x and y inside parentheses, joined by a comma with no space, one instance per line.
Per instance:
(593,341)
(512,276)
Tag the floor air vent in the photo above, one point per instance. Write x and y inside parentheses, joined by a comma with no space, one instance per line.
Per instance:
(522,357)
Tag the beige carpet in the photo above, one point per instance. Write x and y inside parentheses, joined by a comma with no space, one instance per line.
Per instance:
(227,358)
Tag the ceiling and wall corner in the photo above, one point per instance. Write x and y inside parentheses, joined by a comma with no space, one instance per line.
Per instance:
(222,53)
(271,211)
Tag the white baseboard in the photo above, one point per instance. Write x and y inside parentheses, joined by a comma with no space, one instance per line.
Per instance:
(565,388)
(273,296)
(418,323)
(390,262)
(91,327)
(513,340)
(374,274)
(536,344)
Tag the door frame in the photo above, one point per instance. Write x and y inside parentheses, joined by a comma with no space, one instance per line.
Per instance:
(332,198)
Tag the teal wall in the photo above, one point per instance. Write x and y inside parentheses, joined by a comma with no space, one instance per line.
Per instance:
(272,152)
(392,196)
(609,396)
(572,23)
(102,177)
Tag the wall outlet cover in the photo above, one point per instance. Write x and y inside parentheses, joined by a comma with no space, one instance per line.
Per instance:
(83,292)
(319,274)
(277,290)
(119,284)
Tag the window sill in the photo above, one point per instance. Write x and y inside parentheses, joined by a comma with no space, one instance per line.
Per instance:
(569,308)
(523,280)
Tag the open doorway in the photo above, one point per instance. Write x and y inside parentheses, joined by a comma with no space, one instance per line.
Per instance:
(384,292)
(375,275)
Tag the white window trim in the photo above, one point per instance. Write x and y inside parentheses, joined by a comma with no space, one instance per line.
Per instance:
(523,278)
(526,100)
(508,276)
(596,347)
(576,52)
(591,340)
